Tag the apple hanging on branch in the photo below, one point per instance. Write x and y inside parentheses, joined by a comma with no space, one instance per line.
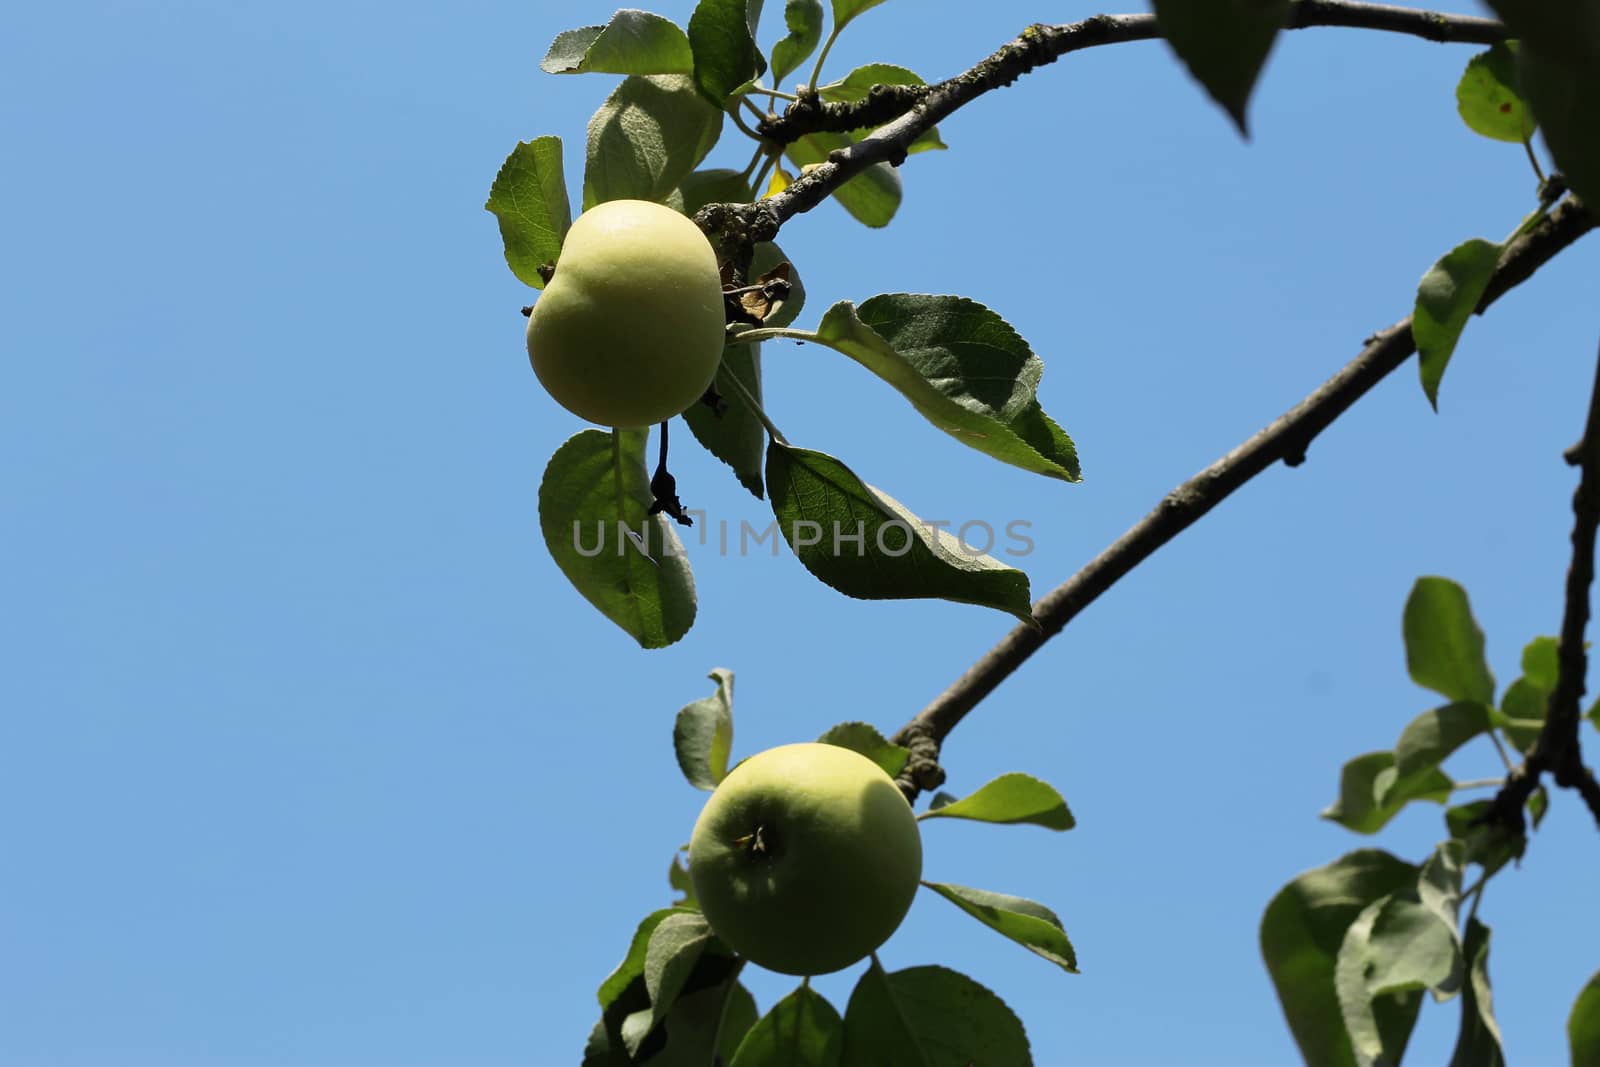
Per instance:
(630,329)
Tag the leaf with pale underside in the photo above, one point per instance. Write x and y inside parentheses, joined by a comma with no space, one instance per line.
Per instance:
(648,136)
(703,734)
(529,201)
(1030,924)
(633,42)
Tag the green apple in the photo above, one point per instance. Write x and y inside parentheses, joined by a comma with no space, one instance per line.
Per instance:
(629,330)
(805,859)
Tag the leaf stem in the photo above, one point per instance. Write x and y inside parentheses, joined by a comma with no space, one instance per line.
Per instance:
(1480,783)
(1527,146)
(744,394)
(816,71)
(733,113)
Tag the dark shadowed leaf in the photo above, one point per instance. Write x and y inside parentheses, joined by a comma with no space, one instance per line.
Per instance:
(864,738)
(1538,804)
(1444,646)
(803,19)
(940,799)
(929,1017)
(1011,798)
(716,185)
(1446,298)
(871,197)
(801,1030)
(632,965)
(1377,1026)
(1478,1040)
(674,949)
(703,734)
(593,511)
(722,34)
(1372,791)
(1301,933)
(633,42)
(963,368)
(648,136)
(1487,843)
(865,544)
(736,436)
(1224,43)
(1487,96)
(1583,1025)
(1558,71)
(1031,925)
(529,200)
(1436,733)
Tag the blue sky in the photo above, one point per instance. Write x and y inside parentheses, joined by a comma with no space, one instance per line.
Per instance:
(311,757)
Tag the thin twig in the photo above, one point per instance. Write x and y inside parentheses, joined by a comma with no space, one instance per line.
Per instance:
(1041,44)
(1286,439)
(1559,750)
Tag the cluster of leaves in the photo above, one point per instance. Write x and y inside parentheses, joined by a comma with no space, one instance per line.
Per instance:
(676,997)
(1352,946)
(958,363)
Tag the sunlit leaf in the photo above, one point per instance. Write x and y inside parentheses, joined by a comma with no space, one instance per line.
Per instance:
(703,734)
(1372,791)
(633,42)
(529,200)
(1444,646)
(648,136)
(722,34)
(1446,297)
(871,197)
(1011,798)
(801,1030)
(594,503)
(1487,96)
(803,19)
(1435,734)
(864,738)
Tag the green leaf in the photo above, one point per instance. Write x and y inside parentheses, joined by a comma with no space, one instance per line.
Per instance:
(1541,662)
(1372,791)
(703,734)
(1487,843)
(678,878)
(717,185)
(675,946)
(865,544)
(529,200)
(1301,933)
(736,436)
(940,799)
(1487,96)
(1011,798)
(1409,948)
(1523,709)
(845,10)
(1478,1041)
(1435,734)
(864,738)
(1031,925)
(692,1026)
(1446,298)
(594,504)
(804,21)
(1538,804)
(1378,1026)
(871,197)
(1583,1025)
(963,368)
(633,42)
(1224,43)
(722,34)
(1439,882)
(1444,646)
(801,1030)
(929,1017)
(647,137)
(632,965)
(767,256)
